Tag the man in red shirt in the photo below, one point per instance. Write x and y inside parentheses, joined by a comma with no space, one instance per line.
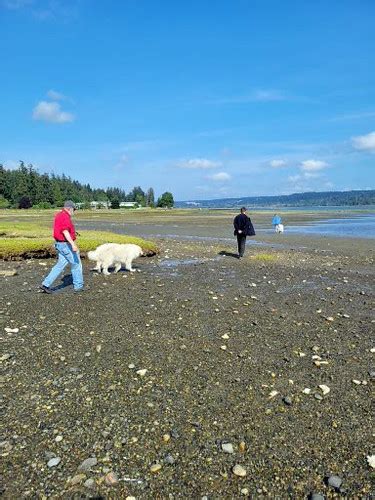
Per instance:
(67,250)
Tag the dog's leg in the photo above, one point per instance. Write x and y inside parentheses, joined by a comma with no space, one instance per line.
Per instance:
(106,263)
(117,267)
(128,265)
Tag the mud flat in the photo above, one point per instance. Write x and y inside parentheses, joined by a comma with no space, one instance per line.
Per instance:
(169,378)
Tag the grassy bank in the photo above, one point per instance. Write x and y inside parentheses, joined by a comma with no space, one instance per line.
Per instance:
(20,240)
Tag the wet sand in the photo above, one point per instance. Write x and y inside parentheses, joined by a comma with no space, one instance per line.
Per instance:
(229,347)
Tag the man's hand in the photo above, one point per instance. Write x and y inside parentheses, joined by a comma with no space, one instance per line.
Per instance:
(74,247)
(239,231)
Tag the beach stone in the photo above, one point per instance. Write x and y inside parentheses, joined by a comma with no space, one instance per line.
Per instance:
(239,471)
(90,483)
(288,400)
(77,479)
(169,459)
(53,462)
(111,479)
(227,447)
(245,491)
(335,482)
(316,496)
(155,468)
(87,464)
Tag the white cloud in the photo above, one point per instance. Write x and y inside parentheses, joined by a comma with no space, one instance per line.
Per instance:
(201,163)
(278,163)
(51,112)
(55,96)
(294,178)
(220,177)
(313,165)
(311,175)
(364,142)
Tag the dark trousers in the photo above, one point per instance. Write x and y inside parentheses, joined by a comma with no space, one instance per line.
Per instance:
(241,242)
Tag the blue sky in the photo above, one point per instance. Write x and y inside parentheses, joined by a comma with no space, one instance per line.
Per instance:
(206,99)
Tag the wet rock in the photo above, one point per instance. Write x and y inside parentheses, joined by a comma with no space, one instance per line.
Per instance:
(169,459)
(111,479)
(77,479)
(288,400)
(316,496)
(155,468)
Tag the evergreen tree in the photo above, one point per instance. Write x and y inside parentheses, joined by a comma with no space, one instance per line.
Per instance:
(150,198)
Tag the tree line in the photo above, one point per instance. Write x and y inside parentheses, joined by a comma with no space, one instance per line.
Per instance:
(25,187)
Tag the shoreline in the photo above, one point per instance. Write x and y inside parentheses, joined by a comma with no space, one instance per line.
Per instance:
(72,372)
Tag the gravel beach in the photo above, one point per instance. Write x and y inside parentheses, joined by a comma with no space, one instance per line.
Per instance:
(201,376)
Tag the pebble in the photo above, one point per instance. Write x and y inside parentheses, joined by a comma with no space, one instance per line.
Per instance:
(155,468)
(334,482)
(371,461)
(287,400)
(325,389)
(111,479)
(356,382)
(58,439)
(245,491)
(238,470)
(227,447)
(223,347)
(53,462)
(317,496)
(11,330)
(166,438)
(131,366)
(319,397)
(77,479)
(130,498)
(169,459)
(142,373)
(225,336)
(90,483)
(242,446)
(88,463)
(307,390)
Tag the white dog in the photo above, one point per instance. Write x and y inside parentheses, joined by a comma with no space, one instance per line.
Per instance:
(279,228)
(114,254)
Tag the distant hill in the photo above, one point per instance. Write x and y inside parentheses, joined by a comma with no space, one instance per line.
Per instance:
(323,199)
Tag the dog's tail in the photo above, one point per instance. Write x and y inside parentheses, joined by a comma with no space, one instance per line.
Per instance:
(91,255)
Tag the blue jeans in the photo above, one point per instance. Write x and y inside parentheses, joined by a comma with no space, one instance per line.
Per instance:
(66,256)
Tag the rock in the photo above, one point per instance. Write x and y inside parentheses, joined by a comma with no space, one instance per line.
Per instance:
(169,459)
(245,491)
(319,397)
(307,390)
(130,498)
(77,479)
(371,461)
(90,483)
(175,434)
(325,389)
(111,479)
(87,464)
(227,447)
(372,374)
(223,347)
(5,357)
(225,336)
(11,330)
(58,439)
(53,462)
(142,373)
(155,468)
(242,446)
(356,382)
(273,394)
(166,438)
(238,470)
(316,496)
(334,481)
(288,401)
(8,272)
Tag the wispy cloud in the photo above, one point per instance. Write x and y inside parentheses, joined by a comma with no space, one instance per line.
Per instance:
(56,96)
(199,163)
(254,96)
(51,112)
(278,163)
(313,165)
(44,9)
(220,177)
(364,142)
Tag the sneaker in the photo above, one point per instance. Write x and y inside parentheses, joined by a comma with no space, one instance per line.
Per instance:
(45,289)
(79,290)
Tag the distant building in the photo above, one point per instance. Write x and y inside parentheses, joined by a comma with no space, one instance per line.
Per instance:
(99,204)
(128,204)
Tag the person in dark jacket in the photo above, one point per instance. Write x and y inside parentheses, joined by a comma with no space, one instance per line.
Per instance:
(243,227)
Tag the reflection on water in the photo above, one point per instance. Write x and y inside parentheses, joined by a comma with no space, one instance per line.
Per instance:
(359,227)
